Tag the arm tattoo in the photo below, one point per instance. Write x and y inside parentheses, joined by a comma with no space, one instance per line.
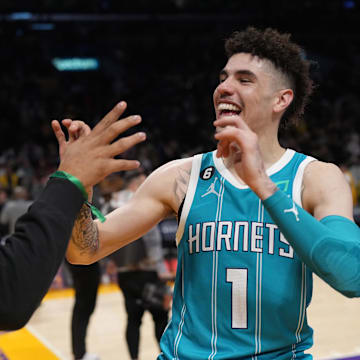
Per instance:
(181,184)
(85,235)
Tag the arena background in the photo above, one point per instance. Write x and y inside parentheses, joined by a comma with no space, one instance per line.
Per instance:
(78,58)
(163,57)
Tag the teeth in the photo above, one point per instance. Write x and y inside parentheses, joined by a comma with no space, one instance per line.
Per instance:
(231,107)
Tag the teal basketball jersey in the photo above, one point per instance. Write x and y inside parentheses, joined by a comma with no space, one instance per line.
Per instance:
(240,292)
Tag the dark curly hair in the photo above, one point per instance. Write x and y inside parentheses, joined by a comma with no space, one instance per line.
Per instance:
(286,56)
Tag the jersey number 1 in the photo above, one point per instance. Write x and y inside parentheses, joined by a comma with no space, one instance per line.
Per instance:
(238,280)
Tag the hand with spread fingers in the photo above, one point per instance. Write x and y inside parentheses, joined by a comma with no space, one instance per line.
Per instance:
(89,154)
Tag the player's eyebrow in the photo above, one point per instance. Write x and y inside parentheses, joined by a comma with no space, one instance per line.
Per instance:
(223,72)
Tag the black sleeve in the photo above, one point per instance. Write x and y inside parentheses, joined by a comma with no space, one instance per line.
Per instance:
(32,255)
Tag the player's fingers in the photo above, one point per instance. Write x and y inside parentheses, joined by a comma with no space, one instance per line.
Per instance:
(220,149)
(244,138)
(116,165)
(59,134)
(125,143)
(78,128)
(66,122)
(224,144)
(235,121)
(229,121)
(85,130)
(119,127)
(228,134)
(110,117)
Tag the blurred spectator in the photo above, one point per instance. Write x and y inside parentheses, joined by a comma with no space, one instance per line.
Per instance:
(8,178)
(140,267)
(168,228)
(86,279)
(3,198)
(13,209)
(350,179)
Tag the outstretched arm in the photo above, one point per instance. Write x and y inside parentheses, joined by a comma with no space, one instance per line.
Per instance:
(160,195)
(32,255)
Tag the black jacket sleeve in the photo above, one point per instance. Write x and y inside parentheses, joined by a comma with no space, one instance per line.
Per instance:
(32,255)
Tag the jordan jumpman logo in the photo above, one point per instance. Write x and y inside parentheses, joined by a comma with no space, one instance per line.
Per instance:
(293,210)
(211,189)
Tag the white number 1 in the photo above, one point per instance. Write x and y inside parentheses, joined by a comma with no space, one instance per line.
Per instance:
(238,279)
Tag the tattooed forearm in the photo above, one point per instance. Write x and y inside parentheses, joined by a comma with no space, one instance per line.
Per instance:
(85,235)
(181,184)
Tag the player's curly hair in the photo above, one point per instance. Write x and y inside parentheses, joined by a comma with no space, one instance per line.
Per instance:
(285,55)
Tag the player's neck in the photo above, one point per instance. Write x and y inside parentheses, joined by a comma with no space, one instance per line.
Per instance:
(271,151)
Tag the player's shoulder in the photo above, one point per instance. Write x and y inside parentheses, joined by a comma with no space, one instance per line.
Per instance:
(162,179)
(323,180)
(325,191)
(320,171)
(173,167)
(169,182)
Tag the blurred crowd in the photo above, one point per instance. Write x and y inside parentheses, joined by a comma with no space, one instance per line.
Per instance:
(167,75)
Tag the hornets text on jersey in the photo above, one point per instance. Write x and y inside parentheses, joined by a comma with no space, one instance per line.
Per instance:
(241,292)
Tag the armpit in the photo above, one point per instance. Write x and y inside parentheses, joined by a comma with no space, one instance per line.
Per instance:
(181,184)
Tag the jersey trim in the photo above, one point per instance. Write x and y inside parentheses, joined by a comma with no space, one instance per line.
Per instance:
(194,177)
(297,184)
(259,258)
(215,259)
(223,170)
(296,195)
(179,334)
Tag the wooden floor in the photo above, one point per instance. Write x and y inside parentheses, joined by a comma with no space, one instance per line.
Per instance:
(335,319)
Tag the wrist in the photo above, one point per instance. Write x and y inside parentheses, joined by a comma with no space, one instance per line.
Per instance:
(265,188)
(86,196)
(72,171)
(77,182)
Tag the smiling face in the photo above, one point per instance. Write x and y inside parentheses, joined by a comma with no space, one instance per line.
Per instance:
(250,88)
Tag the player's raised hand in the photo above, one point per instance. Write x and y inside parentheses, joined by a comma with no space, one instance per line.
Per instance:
(75,129)
(89,155)
(236,138)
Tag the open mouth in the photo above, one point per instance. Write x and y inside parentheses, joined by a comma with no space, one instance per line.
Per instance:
(226,109)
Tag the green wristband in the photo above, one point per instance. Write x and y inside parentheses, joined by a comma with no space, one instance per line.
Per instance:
(64,175)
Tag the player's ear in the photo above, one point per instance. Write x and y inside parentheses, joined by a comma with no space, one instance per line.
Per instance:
(283,100)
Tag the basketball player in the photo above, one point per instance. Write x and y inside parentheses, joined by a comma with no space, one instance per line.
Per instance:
(255,219)
(32,255)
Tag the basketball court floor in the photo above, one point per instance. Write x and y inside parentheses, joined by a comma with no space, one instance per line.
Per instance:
(334,318)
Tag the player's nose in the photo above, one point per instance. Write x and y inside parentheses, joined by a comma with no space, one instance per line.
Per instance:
(226,87)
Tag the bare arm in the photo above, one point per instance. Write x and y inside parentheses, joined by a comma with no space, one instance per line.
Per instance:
(160,195)
(326,192)
(85,234)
